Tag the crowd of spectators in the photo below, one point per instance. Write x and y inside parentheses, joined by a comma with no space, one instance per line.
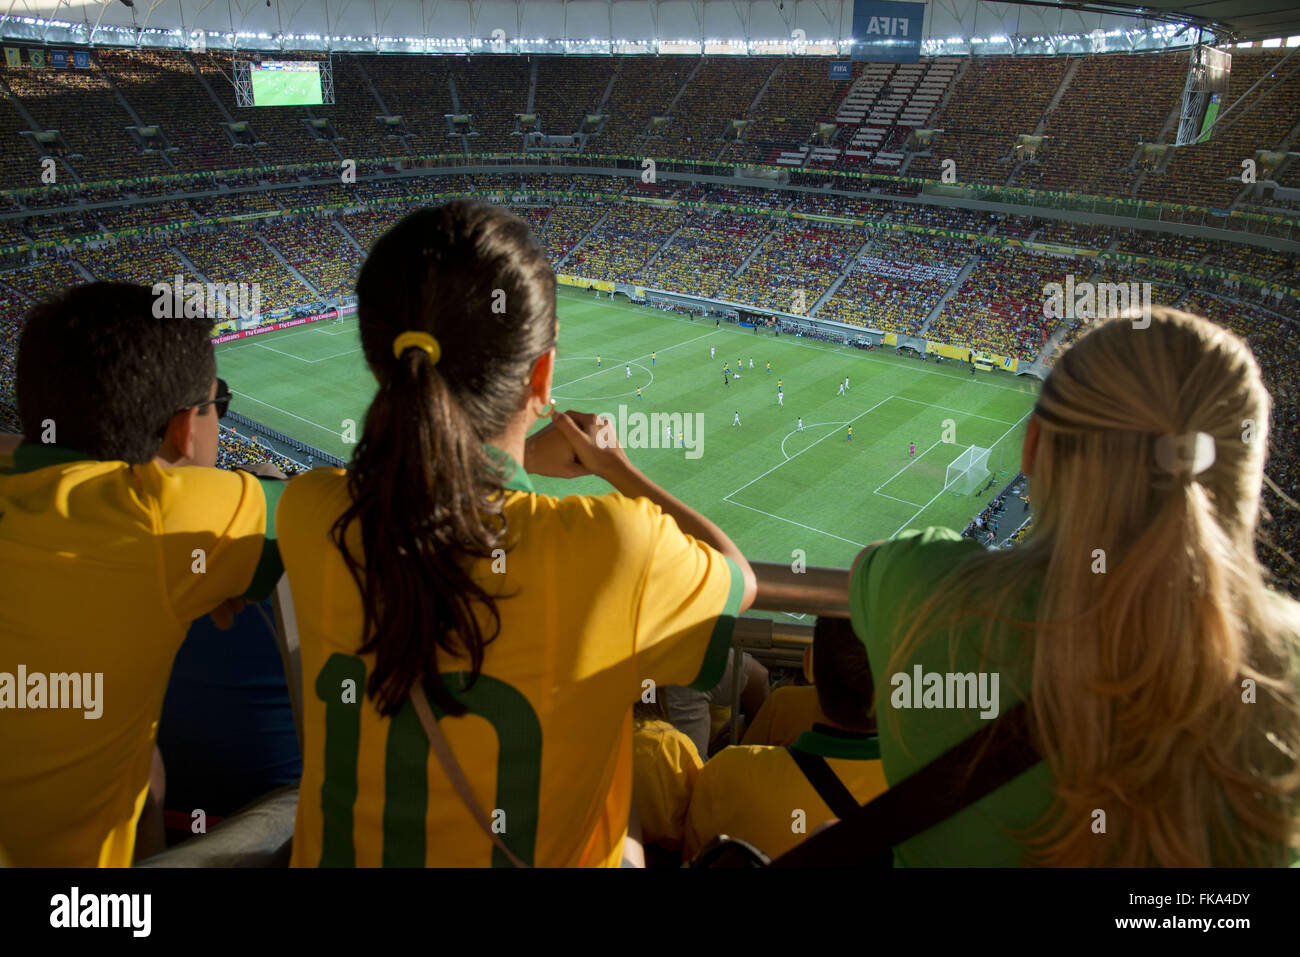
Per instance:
(999,308)
(322,254)
(896,283)
(235,449)
(620,247)
(795,266)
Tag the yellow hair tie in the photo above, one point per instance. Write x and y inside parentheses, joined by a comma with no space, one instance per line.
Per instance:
(417,340)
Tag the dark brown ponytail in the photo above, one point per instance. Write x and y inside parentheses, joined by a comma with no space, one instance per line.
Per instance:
(425,491)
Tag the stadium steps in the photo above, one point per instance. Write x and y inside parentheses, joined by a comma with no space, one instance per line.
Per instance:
(347,234)
(668,242)
(125,104)
(289,266)
(370,85)
(1059,95)
(1052,344)
(585,236)
(641,145)
(186,262)
(34,125)
(1052,104)
(965,63)
(762,90)
(76,264)
(757,249)
(532,85)
(609,87)
(21,109)
(1244,195)
(212,94)
(334,145)
(948,293)
(699,65)
(1170,129)
(840,279)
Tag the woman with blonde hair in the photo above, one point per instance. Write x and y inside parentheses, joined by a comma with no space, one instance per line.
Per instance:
(1159,672)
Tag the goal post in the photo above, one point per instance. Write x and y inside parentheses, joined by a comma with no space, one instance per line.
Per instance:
(967,471)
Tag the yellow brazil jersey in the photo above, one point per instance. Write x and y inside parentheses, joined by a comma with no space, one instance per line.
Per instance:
(604,593)
(664,767)
(759,794)
(787,713)
(102,568)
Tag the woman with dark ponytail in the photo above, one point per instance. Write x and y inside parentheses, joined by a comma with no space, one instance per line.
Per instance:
(431,583)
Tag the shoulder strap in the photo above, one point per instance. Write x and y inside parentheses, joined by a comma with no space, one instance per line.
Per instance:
(451,768)
(825,782)
(961,776)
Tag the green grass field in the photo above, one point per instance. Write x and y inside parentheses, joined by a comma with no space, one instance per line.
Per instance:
(772,489)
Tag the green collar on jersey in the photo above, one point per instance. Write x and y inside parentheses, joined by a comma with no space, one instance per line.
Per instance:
(837,743)
(516,479)
(31,456)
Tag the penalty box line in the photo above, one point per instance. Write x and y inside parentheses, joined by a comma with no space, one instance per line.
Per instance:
(941,491)
(728,497)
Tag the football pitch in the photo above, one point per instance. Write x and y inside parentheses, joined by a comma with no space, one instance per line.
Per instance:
(772,488)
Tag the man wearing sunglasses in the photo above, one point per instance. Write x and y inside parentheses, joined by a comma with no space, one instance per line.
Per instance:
(115,533)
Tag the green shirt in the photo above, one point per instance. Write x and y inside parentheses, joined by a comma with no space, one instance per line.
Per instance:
(888,587)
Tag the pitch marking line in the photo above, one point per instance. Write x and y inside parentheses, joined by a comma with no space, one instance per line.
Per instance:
(941,491)
(626,362)
(613,366)
(791,522)
(904,501)
(805,428)
(727,497)
(284,412)
(289,355)
(901,471)
(974,415)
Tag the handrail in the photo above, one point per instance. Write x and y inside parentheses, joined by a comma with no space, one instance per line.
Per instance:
(812,591)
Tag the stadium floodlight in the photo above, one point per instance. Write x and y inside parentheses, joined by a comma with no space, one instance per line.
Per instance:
(967,471)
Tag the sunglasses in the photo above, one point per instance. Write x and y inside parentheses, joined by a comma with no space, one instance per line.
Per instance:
(222,400)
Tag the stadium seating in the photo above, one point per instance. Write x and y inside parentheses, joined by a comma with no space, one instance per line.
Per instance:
(896,282)
(1097,158)
(164,90)
(999,308)
(80,104)
(327,258)
(1209,174)
(794,267)
(618,250)
(643,88)
(238,256)
(996,99)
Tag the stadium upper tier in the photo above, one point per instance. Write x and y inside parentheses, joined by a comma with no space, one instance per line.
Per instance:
(137,113)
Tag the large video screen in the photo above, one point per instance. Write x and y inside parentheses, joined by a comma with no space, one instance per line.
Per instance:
(286,83)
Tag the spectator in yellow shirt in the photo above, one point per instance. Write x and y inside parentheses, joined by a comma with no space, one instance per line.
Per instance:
(760,794)
(112,540)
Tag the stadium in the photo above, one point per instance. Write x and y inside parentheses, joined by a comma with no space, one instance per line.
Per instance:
(819,270)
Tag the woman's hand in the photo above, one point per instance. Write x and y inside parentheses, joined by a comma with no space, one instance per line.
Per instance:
(548,452)
(594,443)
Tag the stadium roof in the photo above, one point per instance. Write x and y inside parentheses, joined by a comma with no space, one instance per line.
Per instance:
(630,26)
(1245,19)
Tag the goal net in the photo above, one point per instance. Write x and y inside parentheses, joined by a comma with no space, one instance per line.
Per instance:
(967,471)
